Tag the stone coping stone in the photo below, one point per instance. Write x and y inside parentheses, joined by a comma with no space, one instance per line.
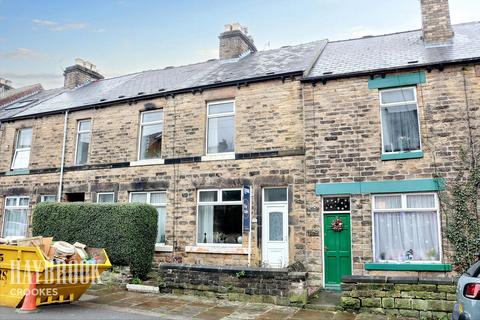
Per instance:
(252,271)
(399,280)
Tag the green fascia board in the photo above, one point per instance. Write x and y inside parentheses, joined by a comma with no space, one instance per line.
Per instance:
(397,80)
(402,155)
(389,186)
(409,266)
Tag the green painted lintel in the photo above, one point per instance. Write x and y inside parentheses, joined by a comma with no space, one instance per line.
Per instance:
(409,266)
(388,186)
(402,155)
(397,80)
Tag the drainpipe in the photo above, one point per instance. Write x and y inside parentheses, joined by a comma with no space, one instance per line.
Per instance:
(60,183)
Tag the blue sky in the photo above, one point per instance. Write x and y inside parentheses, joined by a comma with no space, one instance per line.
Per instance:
(38,39)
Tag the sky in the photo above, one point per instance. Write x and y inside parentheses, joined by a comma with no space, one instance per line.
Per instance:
(39,38)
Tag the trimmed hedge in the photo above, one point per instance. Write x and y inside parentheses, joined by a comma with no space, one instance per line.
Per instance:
(127,231)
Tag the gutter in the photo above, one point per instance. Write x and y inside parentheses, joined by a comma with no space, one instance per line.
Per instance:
(371,72)
(199,89)
(62,164)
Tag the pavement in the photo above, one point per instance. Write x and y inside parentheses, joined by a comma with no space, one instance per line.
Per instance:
(101,302)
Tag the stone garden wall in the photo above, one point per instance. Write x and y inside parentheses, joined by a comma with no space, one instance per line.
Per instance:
(419,298)
(278,286)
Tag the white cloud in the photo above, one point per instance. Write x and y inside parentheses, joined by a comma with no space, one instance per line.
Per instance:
(22,53)
(48,80)
(58,27)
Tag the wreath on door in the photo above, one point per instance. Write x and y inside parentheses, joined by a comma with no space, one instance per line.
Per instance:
(337,225)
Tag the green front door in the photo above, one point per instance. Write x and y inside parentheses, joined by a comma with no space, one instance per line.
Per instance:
(337,249)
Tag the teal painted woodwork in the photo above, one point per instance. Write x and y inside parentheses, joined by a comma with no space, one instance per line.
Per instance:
(409,266)
(397,80)
(402,155)
(389,186)
(337,248)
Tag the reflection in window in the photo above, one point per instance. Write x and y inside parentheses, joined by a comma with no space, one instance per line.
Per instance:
(83,141)
(220,216)
(151,131)
(21,156)
(220,127)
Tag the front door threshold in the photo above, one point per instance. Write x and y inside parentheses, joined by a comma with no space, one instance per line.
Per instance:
(332,287)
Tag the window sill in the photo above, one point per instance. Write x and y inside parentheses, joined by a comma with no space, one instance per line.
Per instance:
(148,162)
(160,247)
(408,266)
(15,172)
(219,156)
(219,249)
(402,155)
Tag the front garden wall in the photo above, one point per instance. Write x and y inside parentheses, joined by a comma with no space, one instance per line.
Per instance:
(419,298)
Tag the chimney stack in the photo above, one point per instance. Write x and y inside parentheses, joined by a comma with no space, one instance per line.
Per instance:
(80,73)
(436,25)
(5,85)
(235,41)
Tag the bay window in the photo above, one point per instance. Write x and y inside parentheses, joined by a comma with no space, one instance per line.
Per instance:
(15,219)
(157,199)
(21,155)
(151,131)
(399,116)
(219,216)
(406,227)
(220,127)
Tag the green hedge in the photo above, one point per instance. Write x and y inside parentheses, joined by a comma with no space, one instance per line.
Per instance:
(126,230)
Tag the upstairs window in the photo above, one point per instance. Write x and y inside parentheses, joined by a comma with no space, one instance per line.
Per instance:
(219,216)
(23,142)
(83,141)
(220,127)
(151,131)
(400,125)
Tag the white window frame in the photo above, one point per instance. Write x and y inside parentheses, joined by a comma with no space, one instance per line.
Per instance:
(163,205)
(220,115)
(5,207)
(78,137)
(387,105)
(213,203)
(13,167)
(405,209)
(141,131)
(105,193)
(42,197)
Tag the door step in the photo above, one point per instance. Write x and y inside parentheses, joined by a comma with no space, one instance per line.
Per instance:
(325,300)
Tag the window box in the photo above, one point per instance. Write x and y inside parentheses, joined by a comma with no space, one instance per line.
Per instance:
(408,266)
(402,155)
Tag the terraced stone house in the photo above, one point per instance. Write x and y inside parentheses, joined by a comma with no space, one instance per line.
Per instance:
(329,153)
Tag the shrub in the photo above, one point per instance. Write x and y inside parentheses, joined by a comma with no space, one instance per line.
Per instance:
(126,230)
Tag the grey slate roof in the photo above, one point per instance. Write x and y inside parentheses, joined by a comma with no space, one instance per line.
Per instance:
(10,110)
(393,51)
(259,64)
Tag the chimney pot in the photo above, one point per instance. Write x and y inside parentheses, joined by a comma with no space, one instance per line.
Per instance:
(234,41)
(80,73)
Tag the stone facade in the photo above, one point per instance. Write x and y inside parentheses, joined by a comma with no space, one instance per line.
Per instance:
(403,297)
(436,25)
(269,144)
(343,144)
(77,75)
(278,286)
(235,41)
